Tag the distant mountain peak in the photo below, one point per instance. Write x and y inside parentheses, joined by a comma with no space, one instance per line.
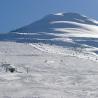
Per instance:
(62,29)
(44,24)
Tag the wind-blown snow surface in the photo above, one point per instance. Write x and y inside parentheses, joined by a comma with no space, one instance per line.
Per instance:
(55,57)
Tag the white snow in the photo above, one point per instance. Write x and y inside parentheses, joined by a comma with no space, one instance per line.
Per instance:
(47,71)
(59,14)
(66,68)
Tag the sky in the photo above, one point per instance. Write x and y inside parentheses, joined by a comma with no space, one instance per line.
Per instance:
(17,13)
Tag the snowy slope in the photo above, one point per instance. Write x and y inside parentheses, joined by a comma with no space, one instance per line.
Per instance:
(55,57)
(46,73)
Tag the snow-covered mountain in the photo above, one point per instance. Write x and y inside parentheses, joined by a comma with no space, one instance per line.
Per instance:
(61,29)
(60,20)
(54,57)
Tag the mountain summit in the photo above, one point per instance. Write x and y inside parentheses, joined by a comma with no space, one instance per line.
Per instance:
(59,20)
